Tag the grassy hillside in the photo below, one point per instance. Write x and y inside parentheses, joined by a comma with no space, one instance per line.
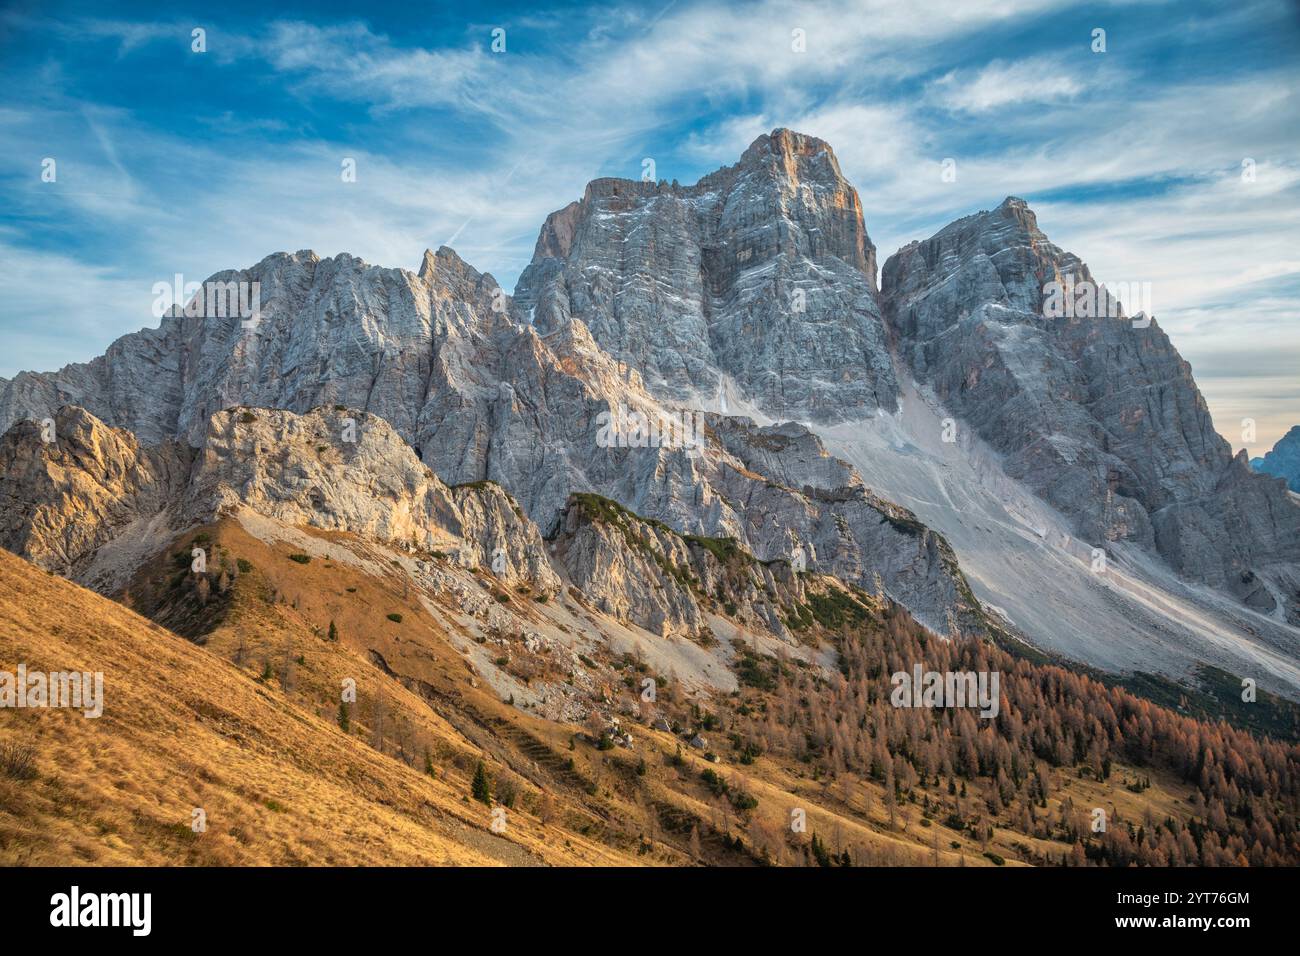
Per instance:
(242,717)
(183,728)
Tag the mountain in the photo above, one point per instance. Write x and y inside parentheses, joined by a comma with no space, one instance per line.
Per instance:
(756,284)
(1081,435)
(1283,460)
(331,331)
(481,397)
(653,354)
(648,542)
(1095,411)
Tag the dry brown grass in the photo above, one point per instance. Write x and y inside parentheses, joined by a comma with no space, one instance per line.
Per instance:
(186,726)
(183,729)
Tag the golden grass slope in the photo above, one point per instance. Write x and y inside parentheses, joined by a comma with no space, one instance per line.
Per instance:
(184,729)
(245,726)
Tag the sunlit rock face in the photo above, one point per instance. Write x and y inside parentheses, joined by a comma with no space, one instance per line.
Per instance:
(758,283)
(92,485)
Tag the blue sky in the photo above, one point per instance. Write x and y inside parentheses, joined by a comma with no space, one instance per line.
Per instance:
(171,161)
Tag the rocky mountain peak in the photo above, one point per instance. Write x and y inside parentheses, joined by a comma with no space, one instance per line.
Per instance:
(1092,408)
(793,152)
(802,177)
(1283,460)
(447,273)
(1001,257)
(429,264)
(756,285)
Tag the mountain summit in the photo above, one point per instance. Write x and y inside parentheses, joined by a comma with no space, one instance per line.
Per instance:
(757,284)
(1094,410)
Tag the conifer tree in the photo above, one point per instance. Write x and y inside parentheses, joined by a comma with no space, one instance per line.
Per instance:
(481,788)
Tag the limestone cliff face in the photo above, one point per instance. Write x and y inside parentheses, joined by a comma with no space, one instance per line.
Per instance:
(340,471)
(811,502)
(667,583)
(760,275)
(330,331)
(1093,409)
(68,490)
(632,569)
(333,470)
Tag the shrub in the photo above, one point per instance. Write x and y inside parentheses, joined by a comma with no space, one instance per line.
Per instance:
(244,565)
(997,860)
(713,781)
(247,418)
(334,632)
(301,558)
(507,790)
(18,761)
(749,752)
(757,672)
(395,618)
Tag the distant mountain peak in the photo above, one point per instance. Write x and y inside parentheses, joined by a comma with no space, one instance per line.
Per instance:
(1283,459)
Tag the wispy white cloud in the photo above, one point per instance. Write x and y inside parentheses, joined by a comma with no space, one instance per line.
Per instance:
(1039,79)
